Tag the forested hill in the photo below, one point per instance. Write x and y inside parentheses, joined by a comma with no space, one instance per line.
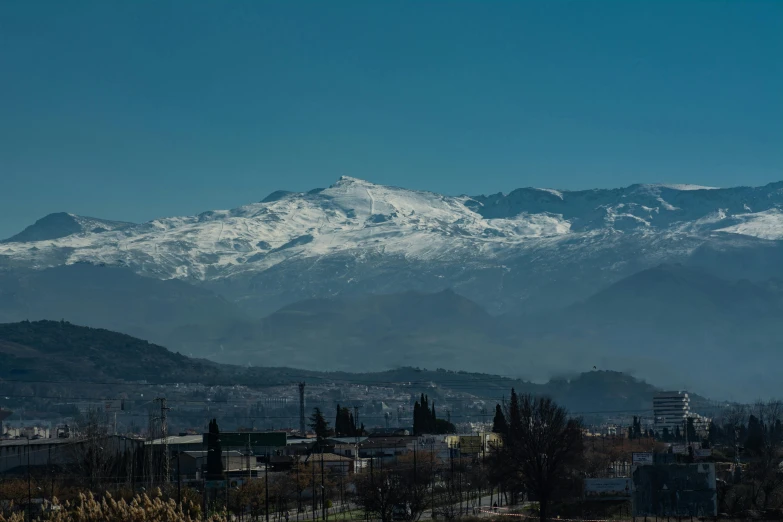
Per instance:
(58,351)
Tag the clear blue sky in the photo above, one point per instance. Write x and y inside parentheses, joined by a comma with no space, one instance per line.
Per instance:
(138,109)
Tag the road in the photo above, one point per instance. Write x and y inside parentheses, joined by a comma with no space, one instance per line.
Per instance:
(467,506)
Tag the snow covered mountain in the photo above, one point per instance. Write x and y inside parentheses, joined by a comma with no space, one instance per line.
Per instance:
(62,224)
(528,249)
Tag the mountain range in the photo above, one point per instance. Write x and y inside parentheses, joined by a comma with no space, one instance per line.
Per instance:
(511,253)
(677,284)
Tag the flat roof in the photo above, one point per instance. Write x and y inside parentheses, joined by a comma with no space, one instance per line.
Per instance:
(379,442)
(179,439)
(346,440)
(35,442)
(327,457)
(55,440)
(203,453)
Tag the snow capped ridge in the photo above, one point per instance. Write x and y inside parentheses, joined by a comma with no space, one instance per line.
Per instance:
(348,179)
(676,186)
(362,221)
(552,191)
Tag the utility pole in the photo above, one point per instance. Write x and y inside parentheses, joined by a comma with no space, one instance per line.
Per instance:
(49,467)
(227,474)
(179,478)
(164,433)
(736,446)
(315,499)
(302,408)
(342,488)
(149,450)
(415,448)
(266,486)
(29,486)
(247,458)
(298,489)
(432,477)
(323,489)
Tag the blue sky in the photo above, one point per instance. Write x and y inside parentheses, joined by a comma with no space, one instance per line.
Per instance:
(133,110)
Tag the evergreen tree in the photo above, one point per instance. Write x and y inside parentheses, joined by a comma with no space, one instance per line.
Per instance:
(422,420)
(442,427)
(755,437)
(630,432)
(514,417)
(338,425)
(677,433)
(666,436)
(214,452)
(425,419)
(715,433)
(343,424)
(637,427)
(691,427)
(499,422)
(319,425)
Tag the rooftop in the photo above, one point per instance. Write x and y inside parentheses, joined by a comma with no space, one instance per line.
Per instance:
(51,441)
(346,440)
(35,442)
(179,439)
(199,454)
(387,442)
(328,457)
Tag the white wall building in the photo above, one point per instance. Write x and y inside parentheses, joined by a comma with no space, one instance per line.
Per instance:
(671,409)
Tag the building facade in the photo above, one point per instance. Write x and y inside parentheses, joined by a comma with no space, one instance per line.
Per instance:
(671,410)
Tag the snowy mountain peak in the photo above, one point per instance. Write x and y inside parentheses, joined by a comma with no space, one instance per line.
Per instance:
(63,224)
(345,180)
(370,223)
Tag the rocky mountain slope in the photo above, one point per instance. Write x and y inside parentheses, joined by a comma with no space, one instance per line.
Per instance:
(527,250)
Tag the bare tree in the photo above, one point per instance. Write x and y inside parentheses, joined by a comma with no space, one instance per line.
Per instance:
(395,493)
(92,458)
(764,470)
(542,447)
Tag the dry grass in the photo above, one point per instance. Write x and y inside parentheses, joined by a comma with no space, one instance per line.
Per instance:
(140,508)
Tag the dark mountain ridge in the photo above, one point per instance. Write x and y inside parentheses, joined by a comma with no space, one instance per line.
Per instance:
(57,351)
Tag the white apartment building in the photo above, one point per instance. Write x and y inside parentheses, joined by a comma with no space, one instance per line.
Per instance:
(671,409)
